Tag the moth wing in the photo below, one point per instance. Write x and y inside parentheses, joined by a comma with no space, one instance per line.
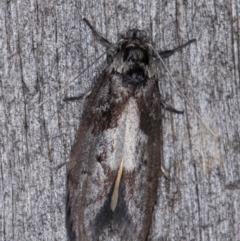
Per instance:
(109,132)
(87,179)
(138,188)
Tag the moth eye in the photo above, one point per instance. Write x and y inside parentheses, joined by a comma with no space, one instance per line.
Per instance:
(137,34)
(143,34)
(130,33)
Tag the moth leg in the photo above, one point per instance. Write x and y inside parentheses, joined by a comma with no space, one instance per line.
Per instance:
(168,53)
(170,108)
(62,164)
(73,98)
(100,38)
(80,97)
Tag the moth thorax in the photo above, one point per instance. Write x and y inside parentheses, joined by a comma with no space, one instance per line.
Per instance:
(135,56)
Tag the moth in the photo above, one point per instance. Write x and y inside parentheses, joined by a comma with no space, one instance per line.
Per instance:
(115,163)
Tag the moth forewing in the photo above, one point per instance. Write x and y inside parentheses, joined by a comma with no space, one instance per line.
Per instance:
(115,163)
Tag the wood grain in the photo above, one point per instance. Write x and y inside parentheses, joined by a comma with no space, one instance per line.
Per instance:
(44,45)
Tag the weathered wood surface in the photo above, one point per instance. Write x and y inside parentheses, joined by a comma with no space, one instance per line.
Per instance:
(44,45)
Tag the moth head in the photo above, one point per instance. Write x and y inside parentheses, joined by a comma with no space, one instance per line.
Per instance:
(135,47)
(133,58)
(137,35)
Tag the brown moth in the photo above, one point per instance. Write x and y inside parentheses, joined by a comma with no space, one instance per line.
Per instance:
(115,163)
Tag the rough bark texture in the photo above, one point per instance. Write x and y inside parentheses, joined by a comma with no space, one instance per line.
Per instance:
(45,44)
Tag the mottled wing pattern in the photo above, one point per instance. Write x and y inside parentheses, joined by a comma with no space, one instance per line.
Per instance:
(118,123)
(115,162)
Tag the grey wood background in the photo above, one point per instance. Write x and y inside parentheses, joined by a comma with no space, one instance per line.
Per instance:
(45,44)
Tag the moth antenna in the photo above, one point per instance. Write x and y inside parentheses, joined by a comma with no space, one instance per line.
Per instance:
(180,90)
(103,41)
(97,35)
(114,198)
(81,97)
(233,185)
(67,85)
(62,164)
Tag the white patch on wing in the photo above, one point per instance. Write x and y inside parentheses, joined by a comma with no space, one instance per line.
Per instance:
(124,141)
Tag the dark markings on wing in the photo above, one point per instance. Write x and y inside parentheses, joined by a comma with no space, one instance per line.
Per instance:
(121,119)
